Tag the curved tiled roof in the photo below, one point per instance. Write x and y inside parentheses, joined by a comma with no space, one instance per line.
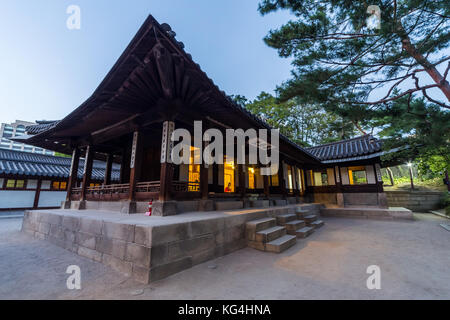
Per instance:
(360,146)
(41,126)
(38,165)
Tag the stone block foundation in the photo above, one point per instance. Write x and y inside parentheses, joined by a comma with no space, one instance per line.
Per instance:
(148,248)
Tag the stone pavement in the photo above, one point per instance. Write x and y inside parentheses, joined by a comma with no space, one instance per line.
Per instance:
(331,264)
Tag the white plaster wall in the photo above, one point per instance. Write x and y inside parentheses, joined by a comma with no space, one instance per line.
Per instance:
(344,176)
(370,173)
(51,198)
(16,199)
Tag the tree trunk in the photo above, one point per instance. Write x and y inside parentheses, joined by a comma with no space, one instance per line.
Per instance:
(391,176)
(430,69)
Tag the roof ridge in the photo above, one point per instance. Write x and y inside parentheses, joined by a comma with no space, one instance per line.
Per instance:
(340,141)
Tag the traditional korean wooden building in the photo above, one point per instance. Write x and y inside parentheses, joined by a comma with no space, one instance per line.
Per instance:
(37,181)
(156,86)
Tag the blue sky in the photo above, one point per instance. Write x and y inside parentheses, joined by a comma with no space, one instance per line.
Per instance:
(46,70)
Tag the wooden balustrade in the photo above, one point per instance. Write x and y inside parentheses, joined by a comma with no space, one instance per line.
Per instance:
(144,191)
(179,186)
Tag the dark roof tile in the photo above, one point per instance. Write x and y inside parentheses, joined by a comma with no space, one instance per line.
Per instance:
(38,165)
(359,146)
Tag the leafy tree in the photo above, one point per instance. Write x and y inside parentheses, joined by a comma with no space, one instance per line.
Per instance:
(306,124)
(339,61)
(423,127)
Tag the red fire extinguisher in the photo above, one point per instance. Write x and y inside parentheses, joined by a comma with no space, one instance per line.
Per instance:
(150,206)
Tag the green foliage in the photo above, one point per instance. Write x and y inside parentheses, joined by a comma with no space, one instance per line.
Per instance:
(339,62)
(58,154)
(306,124)
(423,128)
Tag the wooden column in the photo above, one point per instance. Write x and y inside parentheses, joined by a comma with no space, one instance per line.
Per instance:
(204,181)
(135,163)
(215,177)
(87,172)
(167,169)
(73,175)
(108,169)
(37,194)
(241,174)
(339,195)
(281,179)
(266,186)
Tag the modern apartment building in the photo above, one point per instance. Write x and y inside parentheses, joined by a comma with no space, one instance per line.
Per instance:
(17,129)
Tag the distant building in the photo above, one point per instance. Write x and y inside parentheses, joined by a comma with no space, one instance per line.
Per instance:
(17,129)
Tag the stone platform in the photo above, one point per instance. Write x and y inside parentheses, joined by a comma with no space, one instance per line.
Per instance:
(149,248)
(393,213)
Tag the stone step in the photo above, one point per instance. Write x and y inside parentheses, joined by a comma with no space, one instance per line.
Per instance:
(260,224)
(293,226)
(281,244)
(270,234)
(301,213)
(310,218)
(304,232)
(285,218)
(317,224)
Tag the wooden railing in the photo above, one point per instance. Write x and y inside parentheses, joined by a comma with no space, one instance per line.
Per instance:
(178,186)
(144,190)
(153,186)
(109,189)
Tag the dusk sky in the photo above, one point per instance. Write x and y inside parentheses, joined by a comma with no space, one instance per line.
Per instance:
(47,70)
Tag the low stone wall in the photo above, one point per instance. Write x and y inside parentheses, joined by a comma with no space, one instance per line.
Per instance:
(145,248)
(418,201)
(369,213)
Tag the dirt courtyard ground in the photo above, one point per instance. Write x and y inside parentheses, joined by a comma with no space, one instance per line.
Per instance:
(331,264)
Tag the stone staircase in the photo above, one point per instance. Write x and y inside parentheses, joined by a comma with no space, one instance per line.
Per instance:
(280,233)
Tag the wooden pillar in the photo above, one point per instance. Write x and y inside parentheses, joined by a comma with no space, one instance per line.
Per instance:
(87,172)
(215,177)
(281,179)
(108,169)
(135,163)
(167,168)
(73,175)
(266,186)
(241,174)
(339,195)
(37,194)
(204,181)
